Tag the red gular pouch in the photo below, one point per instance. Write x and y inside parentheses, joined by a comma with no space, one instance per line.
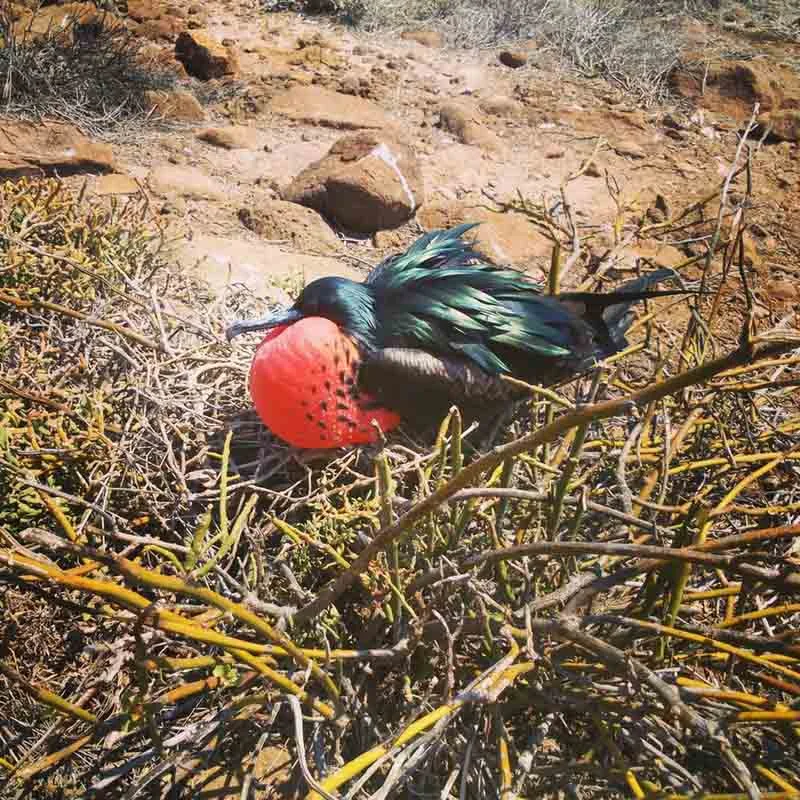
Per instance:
(303,381)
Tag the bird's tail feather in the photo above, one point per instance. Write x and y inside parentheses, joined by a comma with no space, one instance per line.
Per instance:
(611,312)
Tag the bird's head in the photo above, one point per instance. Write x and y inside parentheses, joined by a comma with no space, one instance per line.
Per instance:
(349,304)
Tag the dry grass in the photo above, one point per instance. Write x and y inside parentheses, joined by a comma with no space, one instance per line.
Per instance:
(634,45)
(89,72)
(603,605)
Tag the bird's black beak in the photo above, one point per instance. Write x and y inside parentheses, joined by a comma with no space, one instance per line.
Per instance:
(272,321)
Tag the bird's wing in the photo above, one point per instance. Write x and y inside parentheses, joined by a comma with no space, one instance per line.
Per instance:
(441,296)
(417,383)
(479,312)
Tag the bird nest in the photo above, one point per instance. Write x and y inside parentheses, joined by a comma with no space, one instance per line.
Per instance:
(603,603)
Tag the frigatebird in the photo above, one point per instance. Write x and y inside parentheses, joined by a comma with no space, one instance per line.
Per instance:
(427,329)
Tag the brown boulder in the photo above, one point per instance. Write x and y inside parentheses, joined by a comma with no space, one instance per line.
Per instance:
(463,120)
(231,137)
(734,87)
(204,57)
(425,38)
(48,148)
(784,125)
(501,238)
(367,182)
(178,105)
(304,228)
(318,106)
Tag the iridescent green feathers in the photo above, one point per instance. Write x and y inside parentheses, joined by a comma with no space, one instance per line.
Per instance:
(441,295)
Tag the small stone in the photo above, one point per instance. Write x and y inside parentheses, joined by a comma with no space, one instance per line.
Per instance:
(190,182)
(388,240)
(502,238)
(462,120)
(783,290)
(115,183)
(629,148)
(513,58)
(500,105)
(593,170)
(204,57)
(179,105)
(554,151)
(231,137)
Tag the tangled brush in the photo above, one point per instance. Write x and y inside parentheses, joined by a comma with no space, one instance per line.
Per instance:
(605,603)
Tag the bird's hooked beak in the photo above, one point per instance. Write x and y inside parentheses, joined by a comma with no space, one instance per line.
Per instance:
(272,321)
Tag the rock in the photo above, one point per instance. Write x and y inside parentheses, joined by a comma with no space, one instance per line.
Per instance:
(783,290)
(116,183)
(316,54)
(166,28)
(424,37)
(462,120)
(502,238)
(733,87)
(593,170)
(554,151)
(513,59)
(143,10)
(231,137)
(318,106)
(367,182)
(178,105)
(389,240)
(168,180)
(68,17)
(659,211)
(500,105)
(223,261)
(628,147)
(48,148)
(305,229)
(784,125)
(204,57)
(152,56)
(316,39)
